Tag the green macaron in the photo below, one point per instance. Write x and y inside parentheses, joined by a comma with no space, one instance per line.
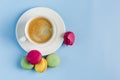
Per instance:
(53,60)
(25,64)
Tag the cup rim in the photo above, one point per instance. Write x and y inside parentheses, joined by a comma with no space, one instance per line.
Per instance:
(53,26)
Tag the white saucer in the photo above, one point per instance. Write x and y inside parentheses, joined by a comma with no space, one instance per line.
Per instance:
(34,12)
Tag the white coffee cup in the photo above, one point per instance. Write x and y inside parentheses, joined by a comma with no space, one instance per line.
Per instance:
(27,37)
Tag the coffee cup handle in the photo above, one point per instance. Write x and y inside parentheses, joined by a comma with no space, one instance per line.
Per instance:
(23,39)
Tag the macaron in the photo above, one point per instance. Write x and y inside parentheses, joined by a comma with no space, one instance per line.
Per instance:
(25,64)
(69,38)
(53,60)
(34,57)
(41,66)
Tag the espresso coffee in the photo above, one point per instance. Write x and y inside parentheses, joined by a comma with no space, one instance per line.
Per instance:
(40,30)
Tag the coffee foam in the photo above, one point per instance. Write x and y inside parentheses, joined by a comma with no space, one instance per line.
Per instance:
(40,30)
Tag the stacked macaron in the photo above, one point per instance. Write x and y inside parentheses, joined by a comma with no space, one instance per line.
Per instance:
(35,60)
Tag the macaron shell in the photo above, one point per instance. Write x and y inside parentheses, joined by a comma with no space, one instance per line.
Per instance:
(41,66)
(69,38)
(34,57)
(45,61)
(25,64)
(53,60)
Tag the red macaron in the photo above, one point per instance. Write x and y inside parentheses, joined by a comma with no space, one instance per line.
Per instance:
(69,38)
(34,57)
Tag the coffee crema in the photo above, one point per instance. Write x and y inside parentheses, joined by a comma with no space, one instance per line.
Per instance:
(40,30)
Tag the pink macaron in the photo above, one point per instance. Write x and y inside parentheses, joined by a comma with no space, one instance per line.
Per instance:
(69,38)
(34,57)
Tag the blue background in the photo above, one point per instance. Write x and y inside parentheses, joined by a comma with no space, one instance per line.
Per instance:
(95,54)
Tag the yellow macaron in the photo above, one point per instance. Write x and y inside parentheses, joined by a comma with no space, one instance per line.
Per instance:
(41,66)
